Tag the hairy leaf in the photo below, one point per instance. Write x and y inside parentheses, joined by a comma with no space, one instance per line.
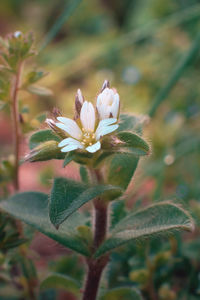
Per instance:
(67,196)
(131,123)
(42,136)
(121,169)
(32,208)
(133,143)
(156,219)
(45,151)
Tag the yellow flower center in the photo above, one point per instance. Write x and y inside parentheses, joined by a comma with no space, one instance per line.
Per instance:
(88,138)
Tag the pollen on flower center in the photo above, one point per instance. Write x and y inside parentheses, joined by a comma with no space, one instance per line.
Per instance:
(88,137)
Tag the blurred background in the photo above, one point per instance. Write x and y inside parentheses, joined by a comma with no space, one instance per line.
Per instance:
(149,51)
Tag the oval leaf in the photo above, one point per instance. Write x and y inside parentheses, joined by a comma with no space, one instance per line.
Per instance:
(42,136)
(131,123)
(154,220)
(67,196)
(133,143)
(121,169)
(32,208)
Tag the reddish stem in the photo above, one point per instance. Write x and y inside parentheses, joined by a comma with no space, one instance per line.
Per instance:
(96,266)
(16,129)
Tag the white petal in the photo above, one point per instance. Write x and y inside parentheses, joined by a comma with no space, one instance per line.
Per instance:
(94,148)
(105,130)
(87,116)
(62,126)
(115,106)
(99,100)
(69,148)
(69,141)
(102,124)
(107,96)
(103,113)
(108,121)
(70,127)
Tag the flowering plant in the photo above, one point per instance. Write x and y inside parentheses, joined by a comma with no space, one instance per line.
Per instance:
(108,146)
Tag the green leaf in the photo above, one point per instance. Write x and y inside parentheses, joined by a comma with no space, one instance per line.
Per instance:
(154,220)
(45,151)
(67,196)
(118,211)
(32,208)
(61,281)
(131,123)
(41,117)
(84,174)
(41,137)
(125,293)
(39,90)
(33,77)
(121,169)
(133,143)
(101,157)
(68,158)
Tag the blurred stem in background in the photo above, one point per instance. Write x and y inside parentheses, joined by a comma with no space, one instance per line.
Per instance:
(16,129)
(67,12)
(29,287)
(176,75)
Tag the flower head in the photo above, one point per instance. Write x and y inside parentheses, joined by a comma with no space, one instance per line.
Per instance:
(87,134)
(107,103)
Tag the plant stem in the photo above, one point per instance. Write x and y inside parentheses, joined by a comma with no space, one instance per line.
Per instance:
(16,138)
(96,266)
(16,129)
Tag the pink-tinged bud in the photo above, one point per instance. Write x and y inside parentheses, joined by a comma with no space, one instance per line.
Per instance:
(79,99)
(52,125)
(105,85)
(56,112)
(108,103)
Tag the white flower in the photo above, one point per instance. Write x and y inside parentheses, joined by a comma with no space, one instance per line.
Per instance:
(17,34)
(108,104)
(88,136)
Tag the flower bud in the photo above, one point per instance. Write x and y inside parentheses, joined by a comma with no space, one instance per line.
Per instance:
(45,151)
(105,85)
(78,104)
(56,112)
(51,123)
(107,103)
